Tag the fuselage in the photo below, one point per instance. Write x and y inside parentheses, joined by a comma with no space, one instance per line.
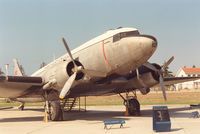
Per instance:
(114,52)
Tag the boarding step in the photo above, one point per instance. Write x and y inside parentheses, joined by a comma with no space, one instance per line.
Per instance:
(69,103)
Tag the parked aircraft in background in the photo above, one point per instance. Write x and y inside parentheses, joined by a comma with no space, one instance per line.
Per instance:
(113,63)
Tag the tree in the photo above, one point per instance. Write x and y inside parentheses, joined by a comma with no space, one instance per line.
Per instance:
(1,72)
(167,73)
(42,64)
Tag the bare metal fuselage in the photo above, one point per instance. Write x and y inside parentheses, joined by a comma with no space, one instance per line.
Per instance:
(103,55)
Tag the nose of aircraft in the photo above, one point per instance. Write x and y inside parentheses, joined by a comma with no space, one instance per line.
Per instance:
(150,41)
(154,41)
(134,51)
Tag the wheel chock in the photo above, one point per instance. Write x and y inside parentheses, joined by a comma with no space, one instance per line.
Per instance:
(45,116)
(126,112)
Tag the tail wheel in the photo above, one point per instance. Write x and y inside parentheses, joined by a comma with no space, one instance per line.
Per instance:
(54,110)
(134,107)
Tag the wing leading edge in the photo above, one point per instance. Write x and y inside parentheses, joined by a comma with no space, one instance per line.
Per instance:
(176,80)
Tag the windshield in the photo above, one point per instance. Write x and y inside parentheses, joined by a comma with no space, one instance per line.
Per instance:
(125,34)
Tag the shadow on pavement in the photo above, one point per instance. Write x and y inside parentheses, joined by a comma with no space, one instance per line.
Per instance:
(22,119)
(97,115)
(176,129)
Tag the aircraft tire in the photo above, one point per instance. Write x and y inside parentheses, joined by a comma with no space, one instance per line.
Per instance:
(134,107)
(55,110)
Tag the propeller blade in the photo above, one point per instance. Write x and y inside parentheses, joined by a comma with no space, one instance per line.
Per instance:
(168,62)
(150,66)
(138,74)
(67,48)
(162,87)
(67,86)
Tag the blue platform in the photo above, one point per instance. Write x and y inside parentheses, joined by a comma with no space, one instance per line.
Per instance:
(161,119)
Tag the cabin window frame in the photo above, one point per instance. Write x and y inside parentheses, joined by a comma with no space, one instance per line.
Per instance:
(119,36)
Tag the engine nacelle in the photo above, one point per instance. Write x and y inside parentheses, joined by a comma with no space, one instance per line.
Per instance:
(60,73)
(144,90)
(147,78)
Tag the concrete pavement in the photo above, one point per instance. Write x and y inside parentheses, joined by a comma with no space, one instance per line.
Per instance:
(30,121)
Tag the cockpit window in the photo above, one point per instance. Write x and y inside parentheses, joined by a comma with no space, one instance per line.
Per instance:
(125,34)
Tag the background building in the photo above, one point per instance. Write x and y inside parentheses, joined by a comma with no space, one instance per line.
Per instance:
(188,72)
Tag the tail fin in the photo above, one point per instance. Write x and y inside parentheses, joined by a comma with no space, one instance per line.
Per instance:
(17,71)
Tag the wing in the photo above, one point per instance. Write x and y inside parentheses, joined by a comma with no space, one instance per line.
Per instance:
(175,80)
(16,86)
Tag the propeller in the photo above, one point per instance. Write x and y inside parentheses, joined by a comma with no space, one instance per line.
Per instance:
(69,52)
(160,72)
(168,62)
(76,70)
(71,79)
(162,87)
(67,86)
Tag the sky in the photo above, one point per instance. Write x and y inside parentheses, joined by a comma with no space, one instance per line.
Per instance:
(31,30)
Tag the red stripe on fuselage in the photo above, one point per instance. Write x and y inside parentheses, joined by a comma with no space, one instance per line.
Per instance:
(109,66)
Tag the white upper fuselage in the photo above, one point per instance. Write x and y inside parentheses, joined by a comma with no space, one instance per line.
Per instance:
(89,43)
(105,53)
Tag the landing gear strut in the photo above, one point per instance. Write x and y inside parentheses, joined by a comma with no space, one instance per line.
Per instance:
(21,106)
(132,104)
(52,109)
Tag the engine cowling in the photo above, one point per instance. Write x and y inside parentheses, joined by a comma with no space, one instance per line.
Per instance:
(147,78)
(60,73)
(70,67)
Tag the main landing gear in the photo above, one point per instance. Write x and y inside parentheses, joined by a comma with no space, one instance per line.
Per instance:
(53,109)
(132,105)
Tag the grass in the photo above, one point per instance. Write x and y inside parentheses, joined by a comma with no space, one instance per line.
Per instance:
(149,99)
(103,104)
(16,104)
(170,102)
(144,103)
(8,105)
